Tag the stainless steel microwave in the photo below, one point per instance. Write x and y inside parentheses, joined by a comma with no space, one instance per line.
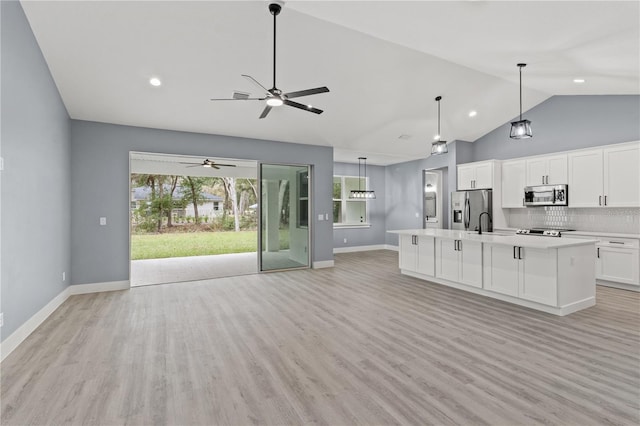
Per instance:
(546,195)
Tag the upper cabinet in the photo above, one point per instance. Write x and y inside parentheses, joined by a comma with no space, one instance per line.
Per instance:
(605,177)
(478,175)
(513,183)
(547,170)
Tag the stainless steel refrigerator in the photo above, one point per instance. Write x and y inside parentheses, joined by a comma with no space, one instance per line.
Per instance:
(466,207)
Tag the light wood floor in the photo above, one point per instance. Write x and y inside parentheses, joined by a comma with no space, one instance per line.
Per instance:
(355,344)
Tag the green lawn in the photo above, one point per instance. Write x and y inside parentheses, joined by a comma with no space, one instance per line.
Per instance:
(159,246)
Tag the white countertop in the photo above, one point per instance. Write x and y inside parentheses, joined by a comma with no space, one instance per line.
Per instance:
(512,240)
(601,234)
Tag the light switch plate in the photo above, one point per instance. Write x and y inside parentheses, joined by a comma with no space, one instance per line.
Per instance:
(320,217)
(103,221)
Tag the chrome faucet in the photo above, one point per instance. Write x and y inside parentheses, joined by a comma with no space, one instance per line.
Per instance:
(480,221)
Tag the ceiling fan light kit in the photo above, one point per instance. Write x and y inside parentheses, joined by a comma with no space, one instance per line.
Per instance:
(439,146)
(521,129)
(274,97)
(360,193)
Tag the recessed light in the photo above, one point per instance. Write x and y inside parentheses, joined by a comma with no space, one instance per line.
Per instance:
(578,80)
(473,113)
(404,137)
(155,81)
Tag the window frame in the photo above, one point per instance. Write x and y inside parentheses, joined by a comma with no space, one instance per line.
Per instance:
(344,199)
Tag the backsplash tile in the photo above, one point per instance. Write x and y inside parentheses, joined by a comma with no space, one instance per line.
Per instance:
(616,220)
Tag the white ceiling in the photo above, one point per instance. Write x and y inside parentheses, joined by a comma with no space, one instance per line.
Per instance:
(384,62)
(187,165)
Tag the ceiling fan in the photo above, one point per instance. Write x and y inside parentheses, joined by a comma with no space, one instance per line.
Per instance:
(209,163)
(274,96)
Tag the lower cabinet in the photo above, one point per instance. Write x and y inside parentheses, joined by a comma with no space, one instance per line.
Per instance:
(459,261)
(417,254)
(527,273)
(618,264)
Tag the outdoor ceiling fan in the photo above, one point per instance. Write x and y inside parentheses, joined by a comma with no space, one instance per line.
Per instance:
(209,163)
(274,96)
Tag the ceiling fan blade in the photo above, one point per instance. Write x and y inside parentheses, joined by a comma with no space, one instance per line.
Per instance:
(301,106)
(237,99)
(265,111)
(306,92)
(193,165)
(254,81)
(225,165)
(215,166)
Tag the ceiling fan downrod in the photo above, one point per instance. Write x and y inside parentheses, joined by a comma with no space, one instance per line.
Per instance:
(275,9)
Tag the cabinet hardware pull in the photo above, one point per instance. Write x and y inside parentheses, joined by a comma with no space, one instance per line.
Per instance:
(514,252)
(543,179)
(455,245)
(599,200)
(616,242)
(598,252)
(520,253)
(459,245)
(547,179)
(605,200)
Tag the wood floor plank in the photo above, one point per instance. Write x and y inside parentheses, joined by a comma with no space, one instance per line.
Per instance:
(358,344)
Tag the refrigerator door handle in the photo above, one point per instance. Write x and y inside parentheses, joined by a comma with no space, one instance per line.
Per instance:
(467,213)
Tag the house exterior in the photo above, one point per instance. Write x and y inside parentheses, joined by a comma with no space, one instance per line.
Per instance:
(210,206)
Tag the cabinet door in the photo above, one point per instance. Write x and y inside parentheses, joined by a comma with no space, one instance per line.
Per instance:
(585,178)
(447,259)
(408,253)
(513,183)
(618,265)
(471,263)
(484,176)
(621,176)
(536,171)
(538,275)
(557,170)
(500,269)
(466,174)
(426,255)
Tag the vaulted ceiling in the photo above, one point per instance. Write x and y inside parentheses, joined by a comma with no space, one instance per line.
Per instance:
(384,62)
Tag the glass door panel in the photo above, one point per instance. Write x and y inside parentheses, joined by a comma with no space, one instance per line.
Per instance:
(284,217)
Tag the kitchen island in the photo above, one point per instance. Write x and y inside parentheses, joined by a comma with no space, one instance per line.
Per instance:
(554,275)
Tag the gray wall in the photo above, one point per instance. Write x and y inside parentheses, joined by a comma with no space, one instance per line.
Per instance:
(376,233)
(100,187)
(404,188)
(563,123)
(35,183)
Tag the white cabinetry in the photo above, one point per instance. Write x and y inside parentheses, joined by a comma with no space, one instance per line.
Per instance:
(513,183)
(618,260)
(417,254)
(459,261)
(547,170)
(476,175)
(605,177)
(526,273)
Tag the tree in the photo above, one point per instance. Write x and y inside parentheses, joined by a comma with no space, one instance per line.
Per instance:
(193,194)
(230,185)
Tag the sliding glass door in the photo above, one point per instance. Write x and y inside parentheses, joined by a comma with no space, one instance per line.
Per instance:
(284,217)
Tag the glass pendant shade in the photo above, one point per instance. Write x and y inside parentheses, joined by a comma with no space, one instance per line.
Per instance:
(439,147)
(521,129)
(362,194)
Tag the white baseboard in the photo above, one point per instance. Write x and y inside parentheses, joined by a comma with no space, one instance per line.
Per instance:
(17,337)
(364,248)
(621,286)
(22,332)
(323,264)
(98,287)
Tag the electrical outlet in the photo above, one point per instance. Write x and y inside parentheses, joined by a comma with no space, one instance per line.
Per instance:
(1,163)
(345,241)
(103,221)
(64,276)
(1,319)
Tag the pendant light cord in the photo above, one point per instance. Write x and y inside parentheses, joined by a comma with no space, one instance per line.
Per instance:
(439,137)
(520,66)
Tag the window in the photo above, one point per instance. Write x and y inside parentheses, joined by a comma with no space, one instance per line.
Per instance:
(348,212)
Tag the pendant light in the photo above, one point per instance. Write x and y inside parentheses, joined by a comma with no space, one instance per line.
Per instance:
(360,193)
(521,129)
(439,146)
